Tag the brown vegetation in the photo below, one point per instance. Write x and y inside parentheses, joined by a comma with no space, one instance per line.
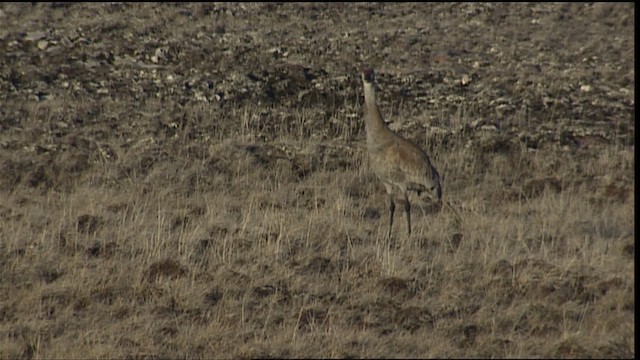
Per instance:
(191,180)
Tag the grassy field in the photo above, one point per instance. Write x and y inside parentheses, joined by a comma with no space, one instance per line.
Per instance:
(191,181)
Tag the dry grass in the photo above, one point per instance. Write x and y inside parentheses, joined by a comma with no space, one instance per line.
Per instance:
(251,260)
(139,227)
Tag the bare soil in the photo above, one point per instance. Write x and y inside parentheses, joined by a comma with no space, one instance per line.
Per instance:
(191,180)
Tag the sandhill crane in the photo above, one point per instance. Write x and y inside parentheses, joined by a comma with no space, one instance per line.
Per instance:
(400,164)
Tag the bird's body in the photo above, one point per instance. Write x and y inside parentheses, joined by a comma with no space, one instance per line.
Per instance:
(401,165)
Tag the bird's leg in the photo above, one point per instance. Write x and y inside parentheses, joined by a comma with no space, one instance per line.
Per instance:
(407,209)
(392,209)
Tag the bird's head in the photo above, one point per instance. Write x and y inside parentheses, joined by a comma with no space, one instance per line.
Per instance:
(368,76)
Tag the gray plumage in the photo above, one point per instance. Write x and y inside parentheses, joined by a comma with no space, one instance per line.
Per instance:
(401,165)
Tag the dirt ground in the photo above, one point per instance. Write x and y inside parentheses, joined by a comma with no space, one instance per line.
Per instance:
(191,181)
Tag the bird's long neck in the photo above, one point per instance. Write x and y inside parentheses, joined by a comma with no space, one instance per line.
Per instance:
(375,125)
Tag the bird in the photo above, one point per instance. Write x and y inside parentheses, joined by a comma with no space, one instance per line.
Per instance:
(400,164)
